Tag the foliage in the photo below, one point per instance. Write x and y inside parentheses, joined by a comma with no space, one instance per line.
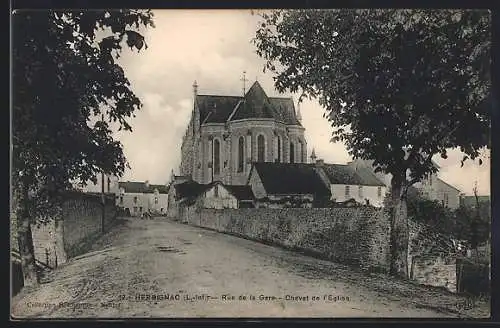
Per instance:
(65,75)
(399,86)
(459,224)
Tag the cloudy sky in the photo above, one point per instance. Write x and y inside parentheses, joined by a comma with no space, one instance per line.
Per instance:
(214,47)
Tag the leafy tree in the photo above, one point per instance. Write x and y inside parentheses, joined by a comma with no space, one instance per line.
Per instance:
(398,86)
(65,74)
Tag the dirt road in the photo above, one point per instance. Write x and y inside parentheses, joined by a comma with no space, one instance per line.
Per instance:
(160,268)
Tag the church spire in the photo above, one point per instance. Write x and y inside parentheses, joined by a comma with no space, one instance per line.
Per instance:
(313,156)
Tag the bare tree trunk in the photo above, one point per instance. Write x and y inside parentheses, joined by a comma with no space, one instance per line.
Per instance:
(399,229)
(25,240)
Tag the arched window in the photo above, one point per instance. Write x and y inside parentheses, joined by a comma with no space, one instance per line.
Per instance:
(279,149)
(292,152)
(303,152)
(299,151)
(216,150)
(261,148)
(241,153)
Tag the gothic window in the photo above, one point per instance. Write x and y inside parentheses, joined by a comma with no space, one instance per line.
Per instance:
(216,150)
(379,192)
(216,191)
(445,199)
(135,200)
(279,149)
(347,191)
(301,151)
(261,148)
(292,152)
(241,153)
(360,191)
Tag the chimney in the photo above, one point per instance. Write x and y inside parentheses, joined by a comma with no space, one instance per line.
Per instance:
(146,183)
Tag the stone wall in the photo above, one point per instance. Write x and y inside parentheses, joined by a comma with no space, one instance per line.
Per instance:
(67,236)
(356,236)
(82,220)
(435,271)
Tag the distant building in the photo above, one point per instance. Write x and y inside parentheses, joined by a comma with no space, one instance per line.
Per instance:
(470,201)
(357,183)
(140,197)
(432,187)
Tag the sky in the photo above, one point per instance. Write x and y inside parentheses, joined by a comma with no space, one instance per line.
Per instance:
(214,47)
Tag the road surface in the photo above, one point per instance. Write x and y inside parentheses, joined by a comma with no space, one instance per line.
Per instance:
(162,268)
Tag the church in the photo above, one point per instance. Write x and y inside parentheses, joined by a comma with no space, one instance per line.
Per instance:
(226,134)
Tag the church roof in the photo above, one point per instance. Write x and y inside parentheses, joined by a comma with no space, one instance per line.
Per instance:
(255,104)
(347,175)
(290,179)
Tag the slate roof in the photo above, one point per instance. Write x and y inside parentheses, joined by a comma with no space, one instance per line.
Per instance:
(345,174)
(241,192)
(255,104)
(142,188)
(290,179)
(449,185)
(189,189)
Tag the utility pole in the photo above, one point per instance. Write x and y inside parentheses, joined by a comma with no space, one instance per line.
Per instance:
(103,199)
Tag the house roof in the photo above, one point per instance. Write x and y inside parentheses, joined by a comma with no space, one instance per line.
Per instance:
(346,174)
(142,187)
(449,185)
(290,178)
(255,104)
(241,192)
(189,189)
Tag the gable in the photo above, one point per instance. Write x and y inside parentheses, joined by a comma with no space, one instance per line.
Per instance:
(255,104)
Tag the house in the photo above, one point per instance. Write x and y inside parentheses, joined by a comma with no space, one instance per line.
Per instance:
(432,187)
(287,185)
(357,183)
(226,134)
(140,197)
(217,195)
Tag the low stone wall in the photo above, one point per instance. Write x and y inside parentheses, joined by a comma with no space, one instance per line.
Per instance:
(358,236)
(435,271)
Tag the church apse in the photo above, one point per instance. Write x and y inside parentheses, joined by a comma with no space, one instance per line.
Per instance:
(226,134)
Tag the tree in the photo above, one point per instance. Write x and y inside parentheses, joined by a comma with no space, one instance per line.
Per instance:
(398,86)
(64,74)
